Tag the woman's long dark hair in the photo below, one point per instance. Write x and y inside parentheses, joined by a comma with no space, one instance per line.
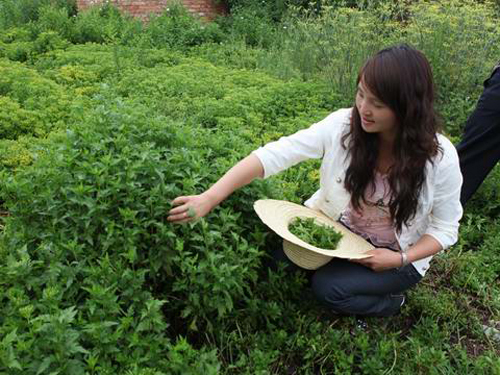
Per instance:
(400,77)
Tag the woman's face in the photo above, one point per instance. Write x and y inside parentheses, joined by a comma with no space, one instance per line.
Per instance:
(376,117)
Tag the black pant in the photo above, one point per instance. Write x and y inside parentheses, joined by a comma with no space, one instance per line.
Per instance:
(353,289)
(479,150)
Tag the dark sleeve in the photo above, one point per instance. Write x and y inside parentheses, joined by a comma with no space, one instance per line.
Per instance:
(479,150)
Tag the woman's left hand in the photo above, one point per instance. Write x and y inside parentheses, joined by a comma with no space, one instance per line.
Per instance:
(380,259)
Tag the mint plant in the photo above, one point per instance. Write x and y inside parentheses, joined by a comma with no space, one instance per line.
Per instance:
(313,233)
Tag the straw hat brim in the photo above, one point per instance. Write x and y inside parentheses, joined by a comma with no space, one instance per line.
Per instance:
(277,215)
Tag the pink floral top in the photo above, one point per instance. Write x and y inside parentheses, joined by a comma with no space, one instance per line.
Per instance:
(373,222)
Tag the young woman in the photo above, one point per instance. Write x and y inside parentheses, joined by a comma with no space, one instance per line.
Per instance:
(386,173)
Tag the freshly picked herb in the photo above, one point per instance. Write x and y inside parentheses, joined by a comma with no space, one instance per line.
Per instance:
(315,234)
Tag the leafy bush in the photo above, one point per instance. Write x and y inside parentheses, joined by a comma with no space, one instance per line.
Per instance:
(54,19)
(276,10)
(90,63)
(177,28)
(15,120)
(461,39)
(93,262)
(321,46)
(32,104)
(254,105)
(253,25)
(49,41)
(16,34)
(19,12)
(105,24)
(27,51)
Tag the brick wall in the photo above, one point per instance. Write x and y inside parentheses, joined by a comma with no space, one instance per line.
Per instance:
(207,9)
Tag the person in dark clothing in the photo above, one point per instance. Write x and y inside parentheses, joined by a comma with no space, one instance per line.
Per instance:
(479,150)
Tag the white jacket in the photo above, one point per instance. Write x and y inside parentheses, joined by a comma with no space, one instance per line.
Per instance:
(439,209)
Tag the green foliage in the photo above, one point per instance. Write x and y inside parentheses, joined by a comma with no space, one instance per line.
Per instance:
(461,39)
(276,10)
(176,28)
(24,51)
(311,45)
(56,20)
(253,25)
(14,154)
(198,93)
(105,24)
(316,234)
(31,104)
(85,66)
(15,120)
(48,41)
(94,209)
(19,12)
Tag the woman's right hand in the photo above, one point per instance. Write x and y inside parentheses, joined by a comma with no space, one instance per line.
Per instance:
(191,207)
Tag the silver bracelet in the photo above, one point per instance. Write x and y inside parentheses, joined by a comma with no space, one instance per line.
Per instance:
(404,259)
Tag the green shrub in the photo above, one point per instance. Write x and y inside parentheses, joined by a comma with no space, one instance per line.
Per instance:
(49,41)
(104,24)
(102,59)
(19,12)
(93,262)
(14,120)
(38,105)
(55,20)
(26,52)
(461,39)
(253,25)
(233,53)
(254,105)
(321,46)
(276,10)
(90,63)
(20,51)
(91,27)
(177,28)
(16,34)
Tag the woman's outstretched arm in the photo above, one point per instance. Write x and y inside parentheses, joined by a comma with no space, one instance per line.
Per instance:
(196,206)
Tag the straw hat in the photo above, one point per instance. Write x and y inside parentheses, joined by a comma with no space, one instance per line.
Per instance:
(277,215)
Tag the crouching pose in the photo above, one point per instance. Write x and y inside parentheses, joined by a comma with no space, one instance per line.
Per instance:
(387,174)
